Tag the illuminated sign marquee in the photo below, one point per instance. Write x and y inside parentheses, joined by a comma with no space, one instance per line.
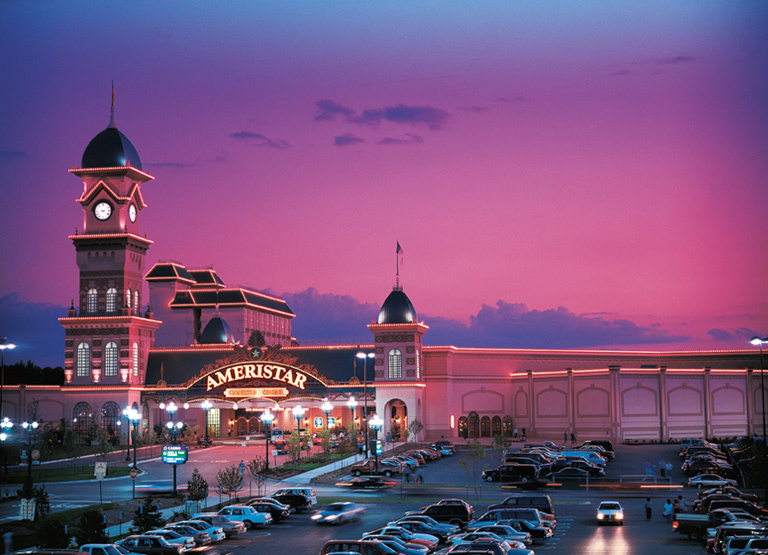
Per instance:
(256,392)
(256,371)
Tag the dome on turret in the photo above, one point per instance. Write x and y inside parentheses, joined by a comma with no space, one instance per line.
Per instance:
(217,331)
(397,309)
(110,149)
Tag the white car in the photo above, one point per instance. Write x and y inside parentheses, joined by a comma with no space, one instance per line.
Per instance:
(103,549)
(610,511)
(469,537)
(216,532)
(337,513)
(710,481)
(246,514)
(173,538)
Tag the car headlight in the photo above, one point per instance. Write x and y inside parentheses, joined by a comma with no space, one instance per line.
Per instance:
(619,516)
(600,516)
(316,517)
(331,517)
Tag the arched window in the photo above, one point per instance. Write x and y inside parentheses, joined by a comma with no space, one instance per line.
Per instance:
(463,427)
(110,416)
(111,299)
(93,301)
(128,298)
(495,426)
(136,303)
(418,364)
(110,359)
(395,364)
(474,424)
(135,359)
(82,420)
(485,427)
(83,360)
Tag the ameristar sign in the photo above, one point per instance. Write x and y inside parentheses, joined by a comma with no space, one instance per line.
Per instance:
(256,371)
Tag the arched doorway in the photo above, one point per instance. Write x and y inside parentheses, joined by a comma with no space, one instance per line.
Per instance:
(396,420)
(474,424)
(463,427)
(485,427)
(495,426)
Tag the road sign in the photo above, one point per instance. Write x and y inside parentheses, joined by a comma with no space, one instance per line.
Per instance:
(35,454)
(100,470)
(175,454)
(134,473)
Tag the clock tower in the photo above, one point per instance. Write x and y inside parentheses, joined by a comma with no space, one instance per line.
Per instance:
(108,335)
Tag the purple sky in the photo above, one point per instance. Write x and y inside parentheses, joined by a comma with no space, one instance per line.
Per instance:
(559,174)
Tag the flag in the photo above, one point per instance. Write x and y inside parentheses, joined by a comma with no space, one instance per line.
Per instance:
(399,252)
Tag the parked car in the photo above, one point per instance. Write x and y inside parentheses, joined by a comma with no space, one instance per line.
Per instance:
(539,501)
(397,545)
(366,482)
(298,502)
(246,514)
(149,545)
(200,537)
(511,473)
(304,490)
(277,510)
(709,481)
(216,533)
(570,474)
(507,532)
(427,540)
(610,512)
(440,528)
(536,532)
(228,526)
(100,549)
(174,538)
(729,490)
(338,513)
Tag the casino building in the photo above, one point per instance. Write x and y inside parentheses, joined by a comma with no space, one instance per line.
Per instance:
(196,339)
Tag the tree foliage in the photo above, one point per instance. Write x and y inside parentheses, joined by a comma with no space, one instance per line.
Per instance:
(197,488)
(52,534)
(230,480)
(415,427)
(256,471)
(146,517)
(91,528)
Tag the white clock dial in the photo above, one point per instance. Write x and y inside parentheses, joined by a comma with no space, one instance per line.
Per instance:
(103,210)
(132,212)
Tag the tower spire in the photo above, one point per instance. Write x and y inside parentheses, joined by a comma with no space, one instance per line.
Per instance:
(398,258)
(112,123)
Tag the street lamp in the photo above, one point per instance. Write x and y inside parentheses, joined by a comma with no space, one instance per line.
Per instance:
(206,406)
(298,414)
(327,408)
(127,414)
(352,404)
(31,429)
(3,346)
(173,431)
(6,425)
(376,425)
(757,340)
(135,417)
(365,357)
(267,417)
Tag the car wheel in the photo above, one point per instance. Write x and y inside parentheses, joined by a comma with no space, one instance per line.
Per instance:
(388,473)
(525,479)
(489,478)
(357,473)
(700,485)
(247,523)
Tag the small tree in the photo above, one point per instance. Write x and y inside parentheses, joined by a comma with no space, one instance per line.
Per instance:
(30,491)
(415,427)
(325,439)
(230,480)
(501,444)
(293,446)
(146,517)
(51,534)
(91,528)
(197,488)
(472,460)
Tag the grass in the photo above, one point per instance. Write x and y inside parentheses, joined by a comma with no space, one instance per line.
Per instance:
(75,472)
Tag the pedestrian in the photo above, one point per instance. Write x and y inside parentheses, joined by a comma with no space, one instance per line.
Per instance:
(573,438)
(648,467)
(669,469)
(8,540)
(648,508)
(653,469)
(676,505)
(523,434)
(242,468)
(681,502)
(408,474)
(419,476)
(565,438)
(667,514)
(662,467)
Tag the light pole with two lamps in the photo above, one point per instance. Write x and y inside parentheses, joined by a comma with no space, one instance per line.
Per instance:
(31,429)
(327,409)
(267,417)
(365,357)
(298,414)
(6,426)
(173,430)
(3,346)
(757,340)
(376,424)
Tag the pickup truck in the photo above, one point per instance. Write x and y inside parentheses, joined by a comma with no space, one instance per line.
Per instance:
(696,525)
(369,467)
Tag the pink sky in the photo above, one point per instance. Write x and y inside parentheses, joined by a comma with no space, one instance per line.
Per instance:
(548,168)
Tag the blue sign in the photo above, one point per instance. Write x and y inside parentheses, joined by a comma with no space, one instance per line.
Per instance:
(331,421)
(318,421)
(175,454)
(379,449)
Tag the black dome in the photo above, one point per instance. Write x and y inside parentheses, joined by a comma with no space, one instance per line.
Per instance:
(397,309)
(110,149)
(217,331)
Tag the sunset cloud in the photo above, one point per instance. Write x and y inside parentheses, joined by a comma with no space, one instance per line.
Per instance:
(347,139)
(259,140)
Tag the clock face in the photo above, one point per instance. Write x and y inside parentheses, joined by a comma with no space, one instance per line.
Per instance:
(103,210)
(132,212)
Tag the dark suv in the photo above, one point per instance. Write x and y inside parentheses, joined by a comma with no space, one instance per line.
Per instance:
(538,501)
(512,472)
(452,511)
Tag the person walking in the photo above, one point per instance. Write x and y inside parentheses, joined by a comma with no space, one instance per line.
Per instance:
(648,508)
(662,467)
(242,468)
(668,507)
(669,469)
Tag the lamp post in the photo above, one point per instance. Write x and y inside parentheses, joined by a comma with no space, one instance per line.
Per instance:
(267,417)
(376,424)
(352,404)
(31,429)
(298,414)
(206,406)
(3,346)
(173,431)
(327,409)
(135,417)
(127,415)
(757,340)
(6,425)
(365,357)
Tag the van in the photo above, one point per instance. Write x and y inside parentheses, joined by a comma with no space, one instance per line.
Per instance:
(689,442)
(306,492)
(356,546)
(512,472)
(532,516)
(590,456)
(736,528)
(538,501)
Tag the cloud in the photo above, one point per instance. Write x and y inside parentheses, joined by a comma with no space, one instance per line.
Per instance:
(328,110)
(433,118)
(259,140)
(12,154)
(410,138)
(512,99)
(672,60)
(347,139)
(170,164)
(35,330)
(733,335)
(473,109)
